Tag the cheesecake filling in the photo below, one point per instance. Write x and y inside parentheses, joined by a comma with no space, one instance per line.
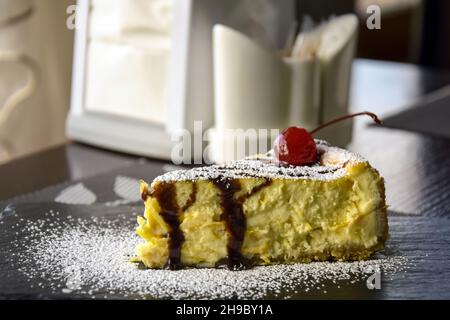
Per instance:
(254,220)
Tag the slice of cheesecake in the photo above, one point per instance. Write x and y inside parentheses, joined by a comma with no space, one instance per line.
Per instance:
(257,211)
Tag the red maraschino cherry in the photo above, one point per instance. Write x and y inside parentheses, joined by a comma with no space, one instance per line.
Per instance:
(296,146)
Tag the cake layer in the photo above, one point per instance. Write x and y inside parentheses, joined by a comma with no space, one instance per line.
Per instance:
(256,211)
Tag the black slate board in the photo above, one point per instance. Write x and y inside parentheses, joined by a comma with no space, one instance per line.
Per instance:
(423,240)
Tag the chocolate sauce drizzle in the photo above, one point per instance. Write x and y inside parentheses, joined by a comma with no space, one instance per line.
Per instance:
(170,212)
(166,196)
(244,197)
(232,215)
(234,218)
(192,197)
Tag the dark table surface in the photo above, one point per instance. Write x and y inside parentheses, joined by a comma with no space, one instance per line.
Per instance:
(416,166)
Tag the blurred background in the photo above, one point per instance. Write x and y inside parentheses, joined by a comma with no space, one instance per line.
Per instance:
(36,55)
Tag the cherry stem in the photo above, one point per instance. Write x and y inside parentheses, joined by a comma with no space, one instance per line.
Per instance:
(366,113)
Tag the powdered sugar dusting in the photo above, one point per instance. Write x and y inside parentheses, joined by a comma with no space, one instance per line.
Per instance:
(90,256)
(330,166)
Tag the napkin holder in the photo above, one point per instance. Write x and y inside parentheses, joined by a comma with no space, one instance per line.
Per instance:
(256,88)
